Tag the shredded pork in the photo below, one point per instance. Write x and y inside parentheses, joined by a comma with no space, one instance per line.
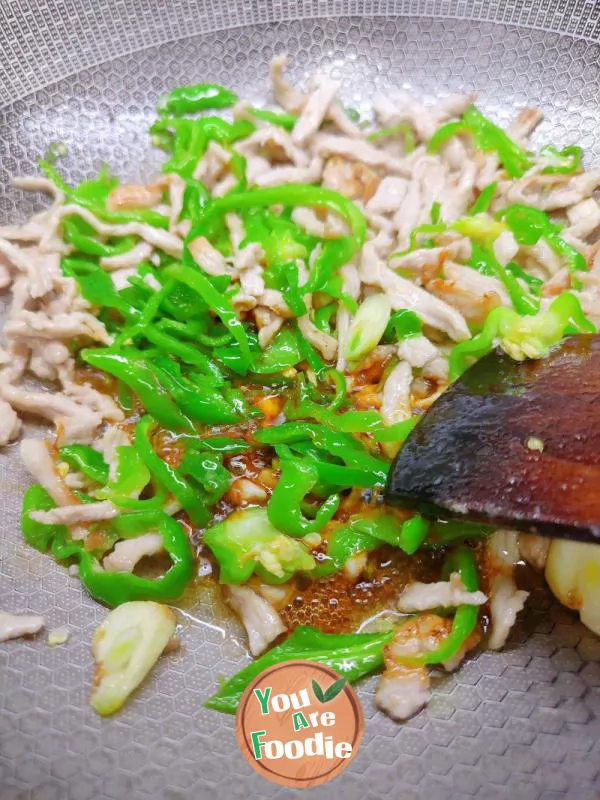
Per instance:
(443,594)
(405,689)
(506,600)
(75,514)
(262,623)
(13,626)
(129,552)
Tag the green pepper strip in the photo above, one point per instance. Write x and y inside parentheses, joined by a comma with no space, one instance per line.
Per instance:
(194,330)
(408,535)
(55,538)
(192,136)
(403,324)
(296,480)
(128,526)
(195,199)
(323,315)
(364,534)
(125,396)
(355,422)
(96,286)
(196,280)
(281,239)
(334,253)
(211,405)
(340,386)
(344,477)
(444,134)
(309,354)
(85,459)
(351,654)
(484,201)
(435,213)
(92,246)
(281,354)
(488,137)
(334,288)
(209,472)
(343,544)
(131,477)
(397,432)
(412,535)
(145,317)
(37,535)
(330,474)
(534,284)
(113,588)
(188,354)
(445,532)
(347,448)
(575,260)
(142,379)
(283,275)
(280,118)
(529,225)
(155,503)
(420,230)
(484,261)
(339,445)
(465,619)
(564,162)
(191,500)
(230,357)
(237,165)
(200,97)
(325,408)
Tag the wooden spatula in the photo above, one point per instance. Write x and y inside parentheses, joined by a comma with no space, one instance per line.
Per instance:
(517,444)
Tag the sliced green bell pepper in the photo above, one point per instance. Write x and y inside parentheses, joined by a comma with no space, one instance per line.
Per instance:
(465,618)
(297,479)
(113,588)
(85,459)
(141,378)
(199,97)
(351,654)
(193,501)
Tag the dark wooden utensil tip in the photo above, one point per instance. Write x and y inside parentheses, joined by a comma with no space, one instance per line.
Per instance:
(514,443)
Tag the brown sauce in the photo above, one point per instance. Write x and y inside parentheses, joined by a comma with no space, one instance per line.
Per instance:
(339,605)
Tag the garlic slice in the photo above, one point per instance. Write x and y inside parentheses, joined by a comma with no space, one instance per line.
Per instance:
(126,646)
(573,574)
(367,327)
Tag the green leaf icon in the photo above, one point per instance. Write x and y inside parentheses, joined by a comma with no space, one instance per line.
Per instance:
(318,692)
(334,689)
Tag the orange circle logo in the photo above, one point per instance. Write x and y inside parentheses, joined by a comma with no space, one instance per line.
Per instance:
(299,724)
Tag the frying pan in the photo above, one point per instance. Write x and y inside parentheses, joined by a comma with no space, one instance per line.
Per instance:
(523,723)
